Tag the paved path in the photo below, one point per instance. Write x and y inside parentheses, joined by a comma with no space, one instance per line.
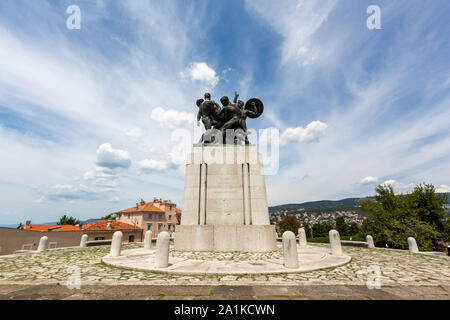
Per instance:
(402,275)
(211,292)
(311,258)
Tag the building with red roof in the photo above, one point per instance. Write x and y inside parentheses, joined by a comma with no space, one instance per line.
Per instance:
(157,216)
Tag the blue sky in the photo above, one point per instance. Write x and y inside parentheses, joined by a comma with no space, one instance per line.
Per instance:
(86,116)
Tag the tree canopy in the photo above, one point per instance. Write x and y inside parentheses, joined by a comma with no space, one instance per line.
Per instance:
(289,223)
(111,216)
(420,214)
(65,220)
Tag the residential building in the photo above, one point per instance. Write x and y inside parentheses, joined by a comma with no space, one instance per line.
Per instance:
(157,216)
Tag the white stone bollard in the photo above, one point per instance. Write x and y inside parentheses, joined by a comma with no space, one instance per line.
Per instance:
(335,243)
(148,240)
(116,244)
(43,244)
(302,237)
(162,250)
(84,240)
(290,256)
(412,244)
(369,241)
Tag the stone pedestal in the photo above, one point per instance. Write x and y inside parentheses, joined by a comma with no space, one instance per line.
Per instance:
(225,201)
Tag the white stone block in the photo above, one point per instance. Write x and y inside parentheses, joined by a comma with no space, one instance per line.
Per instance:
(335,243)
(162,250)
(43,244)
(302,237)
(220,197)
(116,244)
(148,240)
(370,243)
(412,245)
(84,240)
(290,255)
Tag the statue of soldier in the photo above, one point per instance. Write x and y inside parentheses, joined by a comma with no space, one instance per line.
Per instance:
(244,114)
(233,116)
(208,112)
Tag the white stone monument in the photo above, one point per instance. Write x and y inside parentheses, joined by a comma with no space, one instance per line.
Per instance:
(84,240)
(335,243)
(369,241)
(43,244)
(116,244)
(225,201)
(162,250)
(290,255)
(148,240)
(412,245)
(302,237)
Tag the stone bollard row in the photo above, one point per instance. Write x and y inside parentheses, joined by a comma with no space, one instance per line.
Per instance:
(116,244)
(412,245)
(302,237)
(162,250)
(43,244)
(148,240)
(290,255)
(335,243)
(369,241)
(84,240)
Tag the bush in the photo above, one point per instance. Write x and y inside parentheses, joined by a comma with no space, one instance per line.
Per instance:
(289,223)
(319,240)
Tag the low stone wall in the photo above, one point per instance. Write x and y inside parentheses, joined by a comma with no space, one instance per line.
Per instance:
(354,243)
(12,240)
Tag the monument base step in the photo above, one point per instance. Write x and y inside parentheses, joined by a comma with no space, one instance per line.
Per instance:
(244,238)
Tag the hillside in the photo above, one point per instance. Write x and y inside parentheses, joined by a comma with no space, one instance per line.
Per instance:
(313,207)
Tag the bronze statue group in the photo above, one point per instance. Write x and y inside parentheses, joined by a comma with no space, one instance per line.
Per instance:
(227,124)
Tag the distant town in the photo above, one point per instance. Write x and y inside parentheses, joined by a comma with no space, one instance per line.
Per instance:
(312,218)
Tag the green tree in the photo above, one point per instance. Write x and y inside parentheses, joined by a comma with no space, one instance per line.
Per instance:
(65,220)
(289,223)
(307,230)
(111,216)
(354,229)
(392,219)
(341,226)
(321,229)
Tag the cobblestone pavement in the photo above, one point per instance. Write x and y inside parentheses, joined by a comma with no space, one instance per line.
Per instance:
(399,269)
(221,292)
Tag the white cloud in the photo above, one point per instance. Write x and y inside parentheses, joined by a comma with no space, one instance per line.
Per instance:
(172,118)
(311,133)
(297,22)
(369,180)
(443,188)
(114,199)
(112,158)
(64,192)
(399,186)
(200,71)
(134,134)
(151,164)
